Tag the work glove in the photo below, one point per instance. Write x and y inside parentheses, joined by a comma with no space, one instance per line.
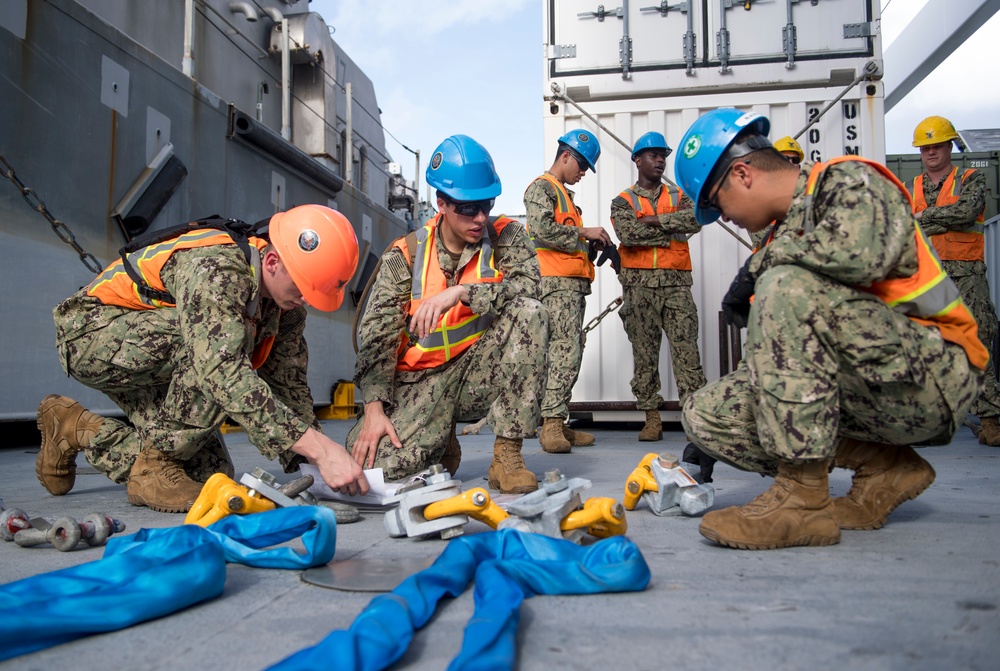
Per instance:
(592,250)
(736,302)
(610,253)
(693,455)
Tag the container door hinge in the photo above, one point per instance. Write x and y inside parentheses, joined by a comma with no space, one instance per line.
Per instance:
(625,43)
(858,30)
(557,51)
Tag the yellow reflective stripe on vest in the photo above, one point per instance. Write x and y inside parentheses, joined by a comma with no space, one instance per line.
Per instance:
(565,206)
(447,337)
(485,269)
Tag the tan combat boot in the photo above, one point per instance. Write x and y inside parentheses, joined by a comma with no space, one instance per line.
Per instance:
(552,438)
(158,481)
(452,456)
(653,429)
(796,510)
(884,477)
(66,427)
(989,433)
(508,472)
(577,438)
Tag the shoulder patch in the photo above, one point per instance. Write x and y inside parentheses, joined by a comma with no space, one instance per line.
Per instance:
(290,319)
(509,234)
(396,266)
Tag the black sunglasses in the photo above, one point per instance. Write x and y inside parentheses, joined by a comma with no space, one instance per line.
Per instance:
(473,207)
(712,201)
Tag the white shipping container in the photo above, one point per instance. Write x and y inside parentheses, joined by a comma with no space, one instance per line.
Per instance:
(591,83)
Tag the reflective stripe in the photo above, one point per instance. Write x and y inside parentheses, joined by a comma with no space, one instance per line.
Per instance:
(420,262)
(485,269)
(114,286)
(582,247)
(928,296)
(652,257)
(447,337)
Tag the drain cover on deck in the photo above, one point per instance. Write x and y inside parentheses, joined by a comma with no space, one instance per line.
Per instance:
(366,575)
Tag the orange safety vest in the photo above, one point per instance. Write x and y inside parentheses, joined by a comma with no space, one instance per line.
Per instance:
(962,245)
(459,328)
(676,254)
(114,286)
(928,296)
(555,262)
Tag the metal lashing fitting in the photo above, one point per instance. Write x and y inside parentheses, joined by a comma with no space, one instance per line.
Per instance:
(12,520)
(65,533)
(666,487)
(667,460)
(542,511)
(476,503)
(433,485)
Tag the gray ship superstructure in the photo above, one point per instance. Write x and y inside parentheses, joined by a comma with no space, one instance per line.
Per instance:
(120,116)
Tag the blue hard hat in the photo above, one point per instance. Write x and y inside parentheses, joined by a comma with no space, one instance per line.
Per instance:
(709,144)
(650,140)
(462,169)
(584,143)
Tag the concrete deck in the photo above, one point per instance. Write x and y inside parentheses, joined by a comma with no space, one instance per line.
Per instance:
(920,593)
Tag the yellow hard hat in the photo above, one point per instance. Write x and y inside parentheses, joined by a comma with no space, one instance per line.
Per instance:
(933,130)
(788,143)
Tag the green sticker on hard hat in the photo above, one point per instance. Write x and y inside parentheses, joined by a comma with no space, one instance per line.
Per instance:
(583,137)
(692,146)
(308,240)
(436,161)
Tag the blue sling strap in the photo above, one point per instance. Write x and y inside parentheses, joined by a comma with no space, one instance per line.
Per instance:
(153,573)
(507,566)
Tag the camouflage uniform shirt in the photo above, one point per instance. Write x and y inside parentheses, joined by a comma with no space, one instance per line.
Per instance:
(631,232)
(213,287)
(540,200)
(386,316)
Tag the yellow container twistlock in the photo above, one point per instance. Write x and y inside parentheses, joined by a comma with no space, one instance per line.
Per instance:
(640,480)
(222,496)
(476,503)
(603,517)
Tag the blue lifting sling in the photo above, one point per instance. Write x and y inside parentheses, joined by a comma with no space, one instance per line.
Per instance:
(153,573)
(508,566)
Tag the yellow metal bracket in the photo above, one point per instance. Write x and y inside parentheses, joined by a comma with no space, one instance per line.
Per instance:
(222,496)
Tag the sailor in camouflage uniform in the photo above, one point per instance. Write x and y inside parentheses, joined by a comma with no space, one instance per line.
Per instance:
(215,330)
(858,344)
(949,204)
(653,223)
(563,246)
(453,329)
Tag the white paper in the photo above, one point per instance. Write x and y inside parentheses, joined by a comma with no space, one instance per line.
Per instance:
(378,495)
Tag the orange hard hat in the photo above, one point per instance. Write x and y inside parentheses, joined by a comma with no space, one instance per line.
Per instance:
(318,247)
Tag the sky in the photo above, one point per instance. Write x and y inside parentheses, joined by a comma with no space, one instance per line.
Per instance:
(443,67)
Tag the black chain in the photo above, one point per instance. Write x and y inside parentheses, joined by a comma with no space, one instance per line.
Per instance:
(61,229)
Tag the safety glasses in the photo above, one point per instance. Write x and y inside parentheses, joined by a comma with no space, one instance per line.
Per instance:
(473,207)
(712,202)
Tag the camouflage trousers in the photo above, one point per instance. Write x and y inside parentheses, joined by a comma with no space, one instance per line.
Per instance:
(566,308)
(825,362)
(139,362)
(976,295)
(502,374)
(646,313)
